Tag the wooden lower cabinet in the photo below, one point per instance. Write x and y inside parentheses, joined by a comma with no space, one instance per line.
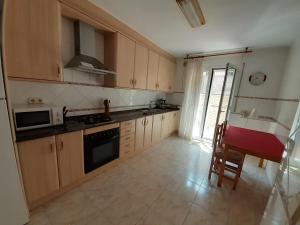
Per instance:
(143,135)
(127,139)
(70,157)
(165,125)
(38,163)
(156,128)
(148,131)
(169,123)
(139,134)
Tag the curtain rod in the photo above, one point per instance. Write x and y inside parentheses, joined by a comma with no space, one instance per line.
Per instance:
(219,54)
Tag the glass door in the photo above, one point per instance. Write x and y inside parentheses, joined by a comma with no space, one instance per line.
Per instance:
(226,95)
(212,104)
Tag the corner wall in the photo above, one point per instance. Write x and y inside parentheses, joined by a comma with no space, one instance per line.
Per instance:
(290,87)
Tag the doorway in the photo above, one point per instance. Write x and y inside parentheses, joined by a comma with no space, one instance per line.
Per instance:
(219,99)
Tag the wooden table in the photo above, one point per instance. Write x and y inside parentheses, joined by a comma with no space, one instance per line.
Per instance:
(251,142)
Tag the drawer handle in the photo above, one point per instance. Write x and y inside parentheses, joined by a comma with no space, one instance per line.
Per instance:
(127,138)
(127,152)
(127,145)
(127,131)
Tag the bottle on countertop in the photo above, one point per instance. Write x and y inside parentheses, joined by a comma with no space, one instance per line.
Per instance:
(106,109)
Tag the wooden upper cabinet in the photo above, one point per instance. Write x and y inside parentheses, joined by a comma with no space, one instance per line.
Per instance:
(153,63)
(140,66)
(125,61)
(32,39)
(172,76)
(70,157)
(163,74)
(38,163)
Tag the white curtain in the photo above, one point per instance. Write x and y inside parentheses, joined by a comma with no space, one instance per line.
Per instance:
(191,100)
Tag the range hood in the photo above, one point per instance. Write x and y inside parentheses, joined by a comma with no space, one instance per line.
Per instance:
(85,59)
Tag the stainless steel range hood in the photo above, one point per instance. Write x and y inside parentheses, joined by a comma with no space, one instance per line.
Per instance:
(84,59)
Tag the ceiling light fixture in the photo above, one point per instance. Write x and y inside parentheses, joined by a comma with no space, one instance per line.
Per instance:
(192,12)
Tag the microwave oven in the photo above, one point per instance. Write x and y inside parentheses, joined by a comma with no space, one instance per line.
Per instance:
(28,118)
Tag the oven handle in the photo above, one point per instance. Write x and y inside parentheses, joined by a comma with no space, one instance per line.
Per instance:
(106,140)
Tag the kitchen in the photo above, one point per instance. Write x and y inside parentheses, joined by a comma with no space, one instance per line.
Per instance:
(88,95)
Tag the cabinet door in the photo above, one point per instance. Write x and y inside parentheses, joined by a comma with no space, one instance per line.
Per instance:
(140,66)
(163,79)
(171,76)
(39,167)
(156,129)
(176,121)
(148,132)
(152,71)
(70,157)
(32,39)
(125,61)
(139,134)
(166,126)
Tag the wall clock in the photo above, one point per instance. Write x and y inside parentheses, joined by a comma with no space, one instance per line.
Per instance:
(257,78)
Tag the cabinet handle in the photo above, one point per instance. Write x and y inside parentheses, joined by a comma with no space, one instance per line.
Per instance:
(58,70)
(134,81)
(51,147)
(127,138)
(62,145)
(157,85)
(127,145)
(131,81)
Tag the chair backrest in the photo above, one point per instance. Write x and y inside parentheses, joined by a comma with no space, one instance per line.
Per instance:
(219,133)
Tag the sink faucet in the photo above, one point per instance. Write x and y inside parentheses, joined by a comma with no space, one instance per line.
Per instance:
(150,104)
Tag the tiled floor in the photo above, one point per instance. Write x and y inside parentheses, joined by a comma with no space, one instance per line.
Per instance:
(165,185)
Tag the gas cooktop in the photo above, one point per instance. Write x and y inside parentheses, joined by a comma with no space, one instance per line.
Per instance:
(93,119)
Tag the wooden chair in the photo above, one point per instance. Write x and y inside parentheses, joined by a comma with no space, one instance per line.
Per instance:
(234,161)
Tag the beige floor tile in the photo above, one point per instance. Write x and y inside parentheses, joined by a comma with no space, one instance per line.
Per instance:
(168,209)
(164,185)
(126,210)
(70,208)
(199,215)
(39,217)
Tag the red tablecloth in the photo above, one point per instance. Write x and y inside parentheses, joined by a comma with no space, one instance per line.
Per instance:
(260,144)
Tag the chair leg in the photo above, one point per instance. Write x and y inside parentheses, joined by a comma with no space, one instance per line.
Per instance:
(237,176)
(222,167)
(211,166)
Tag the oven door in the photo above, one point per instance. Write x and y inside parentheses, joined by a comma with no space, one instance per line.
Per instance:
(100,148)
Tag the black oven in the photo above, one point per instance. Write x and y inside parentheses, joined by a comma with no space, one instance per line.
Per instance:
(100,148)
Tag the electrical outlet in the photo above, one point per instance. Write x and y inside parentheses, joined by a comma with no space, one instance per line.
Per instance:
(35,100)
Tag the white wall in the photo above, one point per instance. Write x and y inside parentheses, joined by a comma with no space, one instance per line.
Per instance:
(285,111)
(270,61)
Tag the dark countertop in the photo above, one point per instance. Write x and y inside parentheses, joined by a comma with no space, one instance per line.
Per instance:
(71,125)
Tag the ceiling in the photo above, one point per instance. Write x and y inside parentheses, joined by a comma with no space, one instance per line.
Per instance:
(230,24)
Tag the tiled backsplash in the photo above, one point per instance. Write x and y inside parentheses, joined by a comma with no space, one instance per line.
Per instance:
(81,98)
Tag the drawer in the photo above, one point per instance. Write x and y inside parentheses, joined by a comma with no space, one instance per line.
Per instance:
(126,149)
(127,138)
(127,127)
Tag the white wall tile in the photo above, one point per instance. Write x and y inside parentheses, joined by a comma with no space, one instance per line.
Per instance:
(80,96)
